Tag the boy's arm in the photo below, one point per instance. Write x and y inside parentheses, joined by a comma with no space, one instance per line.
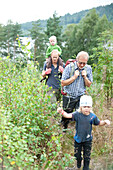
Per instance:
(104,122)
(63,113)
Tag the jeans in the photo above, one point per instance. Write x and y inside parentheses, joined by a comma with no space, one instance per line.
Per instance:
(86,146)
(69,104)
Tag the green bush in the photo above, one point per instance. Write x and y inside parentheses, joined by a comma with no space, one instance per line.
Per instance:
(103,70)
(29,134)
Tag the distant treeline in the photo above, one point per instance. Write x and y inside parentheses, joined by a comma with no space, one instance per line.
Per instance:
(75,18)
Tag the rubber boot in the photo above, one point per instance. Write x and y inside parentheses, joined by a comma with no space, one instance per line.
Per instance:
(79,163)
(86,165)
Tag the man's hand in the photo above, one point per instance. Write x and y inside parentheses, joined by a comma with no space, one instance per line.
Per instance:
(48,71)
(77,73)
(84,73)
(61,69)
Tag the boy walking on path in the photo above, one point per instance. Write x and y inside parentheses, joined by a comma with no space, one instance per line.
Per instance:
(83,138)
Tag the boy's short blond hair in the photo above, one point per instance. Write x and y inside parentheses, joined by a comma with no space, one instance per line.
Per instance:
(53,37)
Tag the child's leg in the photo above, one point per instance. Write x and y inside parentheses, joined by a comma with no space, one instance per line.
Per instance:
(77,150)
(49,62)
(60,62)
(86,154)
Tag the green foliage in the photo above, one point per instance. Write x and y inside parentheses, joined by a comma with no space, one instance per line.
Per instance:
(29,134)
(70,41)
(8,38)
(83,36)
(104,68)
(39,37)
(54,28)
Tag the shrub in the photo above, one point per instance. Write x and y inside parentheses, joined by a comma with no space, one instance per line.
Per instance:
(29,134)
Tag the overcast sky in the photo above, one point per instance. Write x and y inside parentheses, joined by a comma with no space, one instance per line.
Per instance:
(31,10)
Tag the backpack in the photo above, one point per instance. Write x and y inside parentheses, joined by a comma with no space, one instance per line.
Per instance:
(70,61)
(72,71)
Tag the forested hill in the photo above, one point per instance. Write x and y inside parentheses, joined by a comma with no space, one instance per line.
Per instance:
(76,17)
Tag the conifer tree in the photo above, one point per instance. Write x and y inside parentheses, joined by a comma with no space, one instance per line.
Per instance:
(54,28)
(39,42)
(8,39)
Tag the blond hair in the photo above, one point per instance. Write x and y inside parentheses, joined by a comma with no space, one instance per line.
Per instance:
(53,37)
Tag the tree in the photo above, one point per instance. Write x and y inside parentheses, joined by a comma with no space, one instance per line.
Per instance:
(7,45)
(69,41)
(8,36)
(84,35)
(1,38)
(85,31)
(103,70)
(39,42)
(80,34)
(16,31)
(54,28)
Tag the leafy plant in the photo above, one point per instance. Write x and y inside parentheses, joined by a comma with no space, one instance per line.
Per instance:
(104,68)
(29,134)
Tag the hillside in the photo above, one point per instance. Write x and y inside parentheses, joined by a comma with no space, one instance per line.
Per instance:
(76,17)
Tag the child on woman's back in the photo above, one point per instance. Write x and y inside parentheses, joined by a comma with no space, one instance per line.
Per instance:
(83,137)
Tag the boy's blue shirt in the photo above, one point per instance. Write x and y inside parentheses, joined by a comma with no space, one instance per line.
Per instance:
(84,126)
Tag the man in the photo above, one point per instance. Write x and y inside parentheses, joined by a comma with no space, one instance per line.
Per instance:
(75,86)
(54,73)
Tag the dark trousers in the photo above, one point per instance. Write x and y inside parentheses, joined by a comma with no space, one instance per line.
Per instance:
(86,146)
(69,104)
